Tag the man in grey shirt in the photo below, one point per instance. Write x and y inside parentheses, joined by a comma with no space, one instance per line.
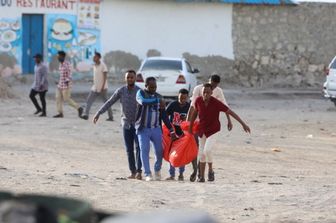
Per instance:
(40,85)
(127,97)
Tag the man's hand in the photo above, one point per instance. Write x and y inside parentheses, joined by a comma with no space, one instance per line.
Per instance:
(229,125)
(173,136)
(95,118)
(162,104)
(246,128)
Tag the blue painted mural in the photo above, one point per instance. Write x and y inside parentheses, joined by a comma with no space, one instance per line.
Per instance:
(10,46)
(79,44)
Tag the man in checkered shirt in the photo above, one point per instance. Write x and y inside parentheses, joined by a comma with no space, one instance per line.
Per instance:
(63,92)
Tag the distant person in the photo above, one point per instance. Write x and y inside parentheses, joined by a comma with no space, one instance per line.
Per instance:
(99,87)
(63,91)
(208,108)
(127,97)
(218,94)
(151,109)
(177,112)
(40,85)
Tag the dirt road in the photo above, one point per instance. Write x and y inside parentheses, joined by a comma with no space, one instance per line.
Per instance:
(283,172)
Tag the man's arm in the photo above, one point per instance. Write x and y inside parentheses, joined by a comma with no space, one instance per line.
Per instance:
(115,97)
(104,80)
(196,93)
(193,117)
(235,116)
(169,109)
(43,77)
(142,100)
(229,124)
(67,73)
(166,121)
(221,97)
(190,112)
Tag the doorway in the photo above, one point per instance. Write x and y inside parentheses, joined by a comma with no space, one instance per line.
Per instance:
(32,35)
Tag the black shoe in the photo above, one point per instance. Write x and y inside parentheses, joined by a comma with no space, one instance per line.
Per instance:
(85,117)
(211,176)
(110,119)
(80,112)
(37,111)
(60,115)
(43,115)
(201,180)
(193,177)
(180,177)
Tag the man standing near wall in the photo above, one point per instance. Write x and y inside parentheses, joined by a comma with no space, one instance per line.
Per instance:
(217,93)
(40,85)
(63,92)
(99,87)
(126,95)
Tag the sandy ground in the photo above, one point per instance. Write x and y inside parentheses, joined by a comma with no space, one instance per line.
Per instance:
(285,171)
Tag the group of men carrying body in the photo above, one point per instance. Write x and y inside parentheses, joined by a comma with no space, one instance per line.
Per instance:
(142,113)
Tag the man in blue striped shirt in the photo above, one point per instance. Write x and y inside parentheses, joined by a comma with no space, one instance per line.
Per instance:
(150,112)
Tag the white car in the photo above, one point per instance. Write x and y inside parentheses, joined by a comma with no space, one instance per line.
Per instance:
(329,86)
(171,75)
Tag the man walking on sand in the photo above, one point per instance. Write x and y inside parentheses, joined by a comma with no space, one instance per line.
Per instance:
(63,91)
(151,109)
(208,108)
(127,97)
(40,85)
(99,87)
(217,93)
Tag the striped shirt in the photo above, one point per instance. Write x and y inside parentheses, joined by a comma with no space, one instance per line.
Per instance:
(128,103)
(149,114)
(65,75)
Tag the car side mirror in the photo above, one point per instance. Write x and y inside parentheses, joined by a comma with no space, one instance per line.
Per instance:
(196,70)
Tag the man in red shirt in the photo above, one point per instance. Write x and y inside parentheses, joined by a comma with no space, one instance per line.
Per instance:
(208,109)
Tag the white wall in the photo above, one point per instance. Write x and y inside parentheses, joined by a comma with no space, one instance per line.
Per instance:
(172,28)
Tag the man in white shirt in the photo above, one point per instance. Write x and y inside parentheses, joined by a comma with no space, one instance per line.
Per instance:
(217,93)
(99,87)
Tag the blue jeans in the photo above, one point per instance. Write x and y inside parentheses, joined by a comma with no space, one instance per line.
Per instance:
(172,170)
(130,138)
(146,135)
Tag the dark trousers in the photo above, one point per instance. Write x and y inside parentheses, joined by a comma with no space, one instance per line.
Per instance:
(131,140)
(42,94)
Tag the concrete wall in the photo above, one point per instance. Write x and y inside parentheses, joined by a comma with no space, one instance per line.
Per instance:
(283,46)
(255,46)
(171,28)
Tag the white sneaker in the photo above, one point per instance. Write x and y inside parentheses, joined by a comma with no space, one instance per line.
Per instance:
(148,178)
(157,176)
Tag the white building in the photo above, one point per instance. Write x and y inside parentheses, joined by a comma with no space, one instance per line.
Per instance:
(81,27)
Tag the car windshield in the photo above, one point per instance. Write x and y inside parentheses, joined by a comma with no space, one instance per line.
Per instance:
(162,65)
(333,65)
